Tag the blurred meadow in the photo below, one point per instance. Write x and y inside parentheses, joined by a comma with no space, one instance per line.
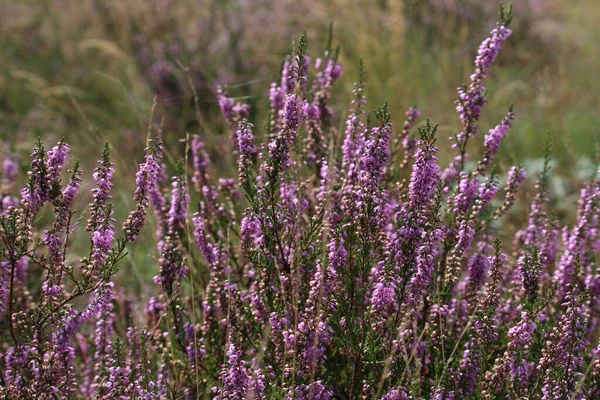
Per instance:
(96,71)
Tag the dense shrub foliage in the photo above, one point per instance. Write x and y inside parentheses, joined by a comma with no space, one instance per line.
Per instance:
(340,264)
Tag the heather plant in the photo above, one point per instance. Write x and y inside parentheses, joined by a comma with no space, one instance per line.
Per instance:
(337,264)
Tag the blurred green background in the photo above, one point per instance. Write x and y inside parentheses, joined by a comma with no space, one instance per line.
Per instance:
(90,71)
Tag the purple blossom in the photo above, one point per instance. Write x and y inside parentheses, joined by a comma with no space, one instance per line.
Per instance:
(70,192)
(280,146)
(565,351)
(146,180)
(383,298)
(37,192)
(55,161)
(200,162)
(247,149)
(466,193)
(74,320)
(586,229)
(277,97)
(395,394)
(472,99)
(376,156)
(486,327)
(4,286)
(180,200)
(102,239)
(234,112)
(425,265)
(477,269)
(206,248)
(99,208)
(424,177)
(487,191)
(17,359)
(10,169)
(250,232)
(236,380)
(105,320)
(494,138)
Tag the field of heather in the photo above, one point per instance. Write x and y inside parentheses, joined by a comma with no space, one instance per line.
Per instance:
(299,200)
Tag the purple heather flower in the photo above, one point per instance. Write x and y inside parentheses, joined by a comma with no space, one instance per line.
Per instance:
(376,156)
(315,391)
(159,204)
(330,73)
(99,208)
(424,177)
(73,320)
(314,325)
(105,320)
(396,394)
(511,363)
(472,99)
(146,183)
(37,192)
(10,169)
(280,146)
(292,113)
(70,192)
(337,253)
(466,193)
(247,149)
(102,239)
(562,360)
(236,380)
(251,234)
(516,177)
(4,286)
(487,191)
(493,139)
(354,135)
(172,267)
(226,104)
(425,265)
(259,310)
(287,76)
(521,334)
(54,245)
(468,369)
(352,150)
(486,327)
(153,310)
(147,176)
(180,200)
(583,232)
(118,380)
(206,248)
(200,162)
(277,97)
(246,139)
(383,298)
(477,269)
(16,359)
(233,112)
(55,161)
